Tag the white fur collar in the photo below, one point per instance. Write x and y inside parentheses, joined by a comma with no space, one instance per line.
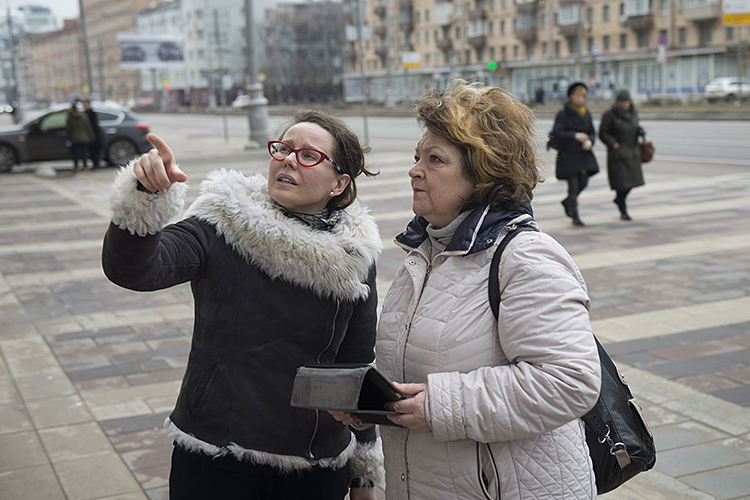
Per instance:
(330,263)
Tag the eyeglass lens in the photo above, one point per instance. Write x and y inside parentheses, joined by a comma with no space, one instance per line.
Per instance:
(306,157)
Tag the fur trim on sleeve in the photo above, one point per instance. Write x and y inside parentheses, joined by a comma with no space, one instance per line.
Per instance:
(140,212)
(367,464)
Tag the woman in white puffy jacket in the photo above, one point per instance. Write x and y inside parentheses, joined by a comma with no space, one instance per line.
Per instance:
(496,402)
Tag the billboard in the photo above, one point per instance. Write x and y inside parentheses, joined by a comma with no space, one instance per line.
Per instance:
(139,51)
(736,12)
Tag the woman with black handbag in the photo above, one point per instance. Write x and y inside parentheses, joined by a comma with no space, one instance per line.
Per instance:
(574,136)
(620,130)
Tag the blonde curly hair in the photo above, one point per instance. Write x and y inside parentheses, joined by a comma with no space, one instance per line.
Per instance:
(494,132)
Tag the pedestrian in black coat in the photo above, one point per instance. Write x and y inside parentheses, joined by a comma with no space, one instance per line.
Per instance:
(620,130)
(96,146)
(574,136)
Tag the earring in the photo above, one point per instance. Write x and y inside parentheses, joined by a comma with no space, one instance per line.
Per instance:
(331,193)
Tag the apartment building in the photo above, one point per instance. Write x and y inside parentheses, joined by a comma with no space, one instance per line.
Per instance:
(57,63)
(658,49)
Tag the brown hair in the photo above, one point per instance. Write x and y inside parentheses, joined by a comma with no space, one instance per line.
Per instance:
(494,131)
(348,153)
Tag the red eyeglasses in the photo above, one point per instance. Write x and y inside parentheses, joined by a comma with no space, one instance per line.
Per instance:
(307,157)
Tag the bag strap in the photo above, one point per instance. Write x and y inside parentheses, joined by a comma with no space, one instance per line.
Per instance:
(494,287)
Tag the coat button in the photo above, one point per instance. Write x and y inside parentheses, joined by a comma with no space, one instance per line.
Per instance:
(403,477)
(489,242)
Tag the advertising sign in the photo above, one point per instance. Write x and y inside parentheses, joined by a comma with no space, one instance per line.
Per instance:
(411,59)
(139,51)
(736,12)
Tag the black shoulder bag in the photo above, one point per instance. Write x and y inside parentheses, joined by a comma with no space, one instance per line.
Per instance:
(619,440)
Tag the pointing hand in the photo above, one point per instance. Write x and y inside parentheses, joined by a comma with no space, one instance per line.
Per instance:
(157,169)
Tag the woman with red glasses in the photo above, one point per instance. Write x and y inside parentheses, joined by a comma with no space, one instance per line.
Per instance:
(283,274)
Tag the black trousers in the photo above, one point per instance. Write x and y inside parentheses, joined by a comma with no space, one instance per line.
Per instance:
(196,476)
(79,152)
(576,184)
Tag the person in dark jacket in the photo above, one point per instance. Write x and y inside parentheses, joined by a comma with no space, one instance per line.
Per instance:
(619,130)
(575,135)
(79,134)
(96,146)
(282,271)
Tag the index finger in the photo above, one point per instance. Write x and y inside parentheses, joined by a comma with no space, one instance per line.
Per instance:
(162,147)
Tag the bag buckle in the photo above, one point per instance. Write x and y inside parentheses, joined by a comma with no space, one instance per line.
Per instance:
(618,450)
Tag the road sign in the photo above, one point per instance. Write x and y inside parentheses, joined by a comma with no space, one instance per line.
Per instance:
(736,12)
(595,50)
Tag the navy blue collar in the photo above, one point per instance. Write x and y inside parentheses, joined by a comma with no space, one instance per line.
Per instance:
(476,233)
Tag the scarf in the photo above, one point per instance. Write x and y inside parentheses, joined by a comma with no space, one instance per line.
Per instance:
(581,110)
(324,220)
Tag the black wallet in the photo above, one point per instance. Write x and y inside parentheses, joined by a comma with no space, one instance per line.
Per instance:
(354,388)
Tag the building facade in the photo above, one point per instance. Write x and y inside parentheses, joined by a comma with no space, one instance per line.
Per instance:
(58,63)
(658,49)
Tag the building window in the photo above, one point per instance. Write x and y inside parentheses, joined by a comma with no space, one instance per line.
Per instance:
(492,5)
(622,9)
(545,24)
(427,16)
(544,49)
(458,32)
(590,16)
(729,33)
(624,41)
(572,46)
(530,50)
(502,27)
(605,42)
(557,48)
(663,5)
(492,53)
(458,57)
(417,17)
(605,13)
(704,34)
(503,53)
(642,38)
(681,35)
(515,52)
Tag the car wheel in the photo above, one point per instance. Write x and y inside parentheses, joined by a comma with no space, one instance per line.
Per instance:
(120,152)
(7,158)
(730,97)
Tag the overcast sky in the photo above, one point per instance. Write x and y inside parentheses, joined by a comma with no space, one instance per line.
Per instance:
(63,9)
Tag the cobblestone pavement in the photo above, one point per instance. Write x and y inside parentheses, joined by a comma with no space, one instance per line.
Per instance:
(88,371)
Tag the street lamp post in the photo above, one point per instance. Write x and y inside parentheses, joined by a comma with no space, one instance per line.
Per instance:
(257,109)
(90,80)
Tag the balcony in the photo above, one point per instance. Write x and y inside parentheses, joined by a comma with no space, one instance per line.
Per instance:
(639,22)
(698,12)
(405,4)
(526,5)
(568,30)
(478,14)
(380,31)
(445,44)
(379,11)
(478,42)
(526,35)
(381,52)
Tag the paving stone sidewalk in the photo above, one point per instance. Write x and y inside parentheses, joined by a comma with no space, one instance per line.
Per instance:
(88,371)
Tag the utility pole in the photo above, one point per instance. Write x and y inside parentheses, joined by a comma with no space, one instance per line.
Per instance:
(90,80)
(579,37)
(257,109)
(361,57)
(13,88)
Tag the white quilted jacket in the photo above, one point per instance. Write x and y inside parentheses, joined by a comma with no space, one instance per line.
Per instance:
(519,384)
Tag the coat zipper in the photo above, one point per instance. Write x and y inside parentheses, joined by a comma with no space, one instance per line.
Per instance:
(317,412)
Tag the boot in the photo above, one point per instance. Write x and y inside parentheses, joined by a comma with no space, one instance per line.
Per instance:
(569,209)
(576,220)
(623,208)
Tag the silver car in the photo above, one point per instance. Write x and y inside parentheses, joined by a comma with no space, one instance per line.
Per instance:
(727,89)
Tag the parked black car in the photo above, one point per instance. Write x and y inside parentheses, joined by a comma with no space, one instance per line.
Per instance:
(41,137)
